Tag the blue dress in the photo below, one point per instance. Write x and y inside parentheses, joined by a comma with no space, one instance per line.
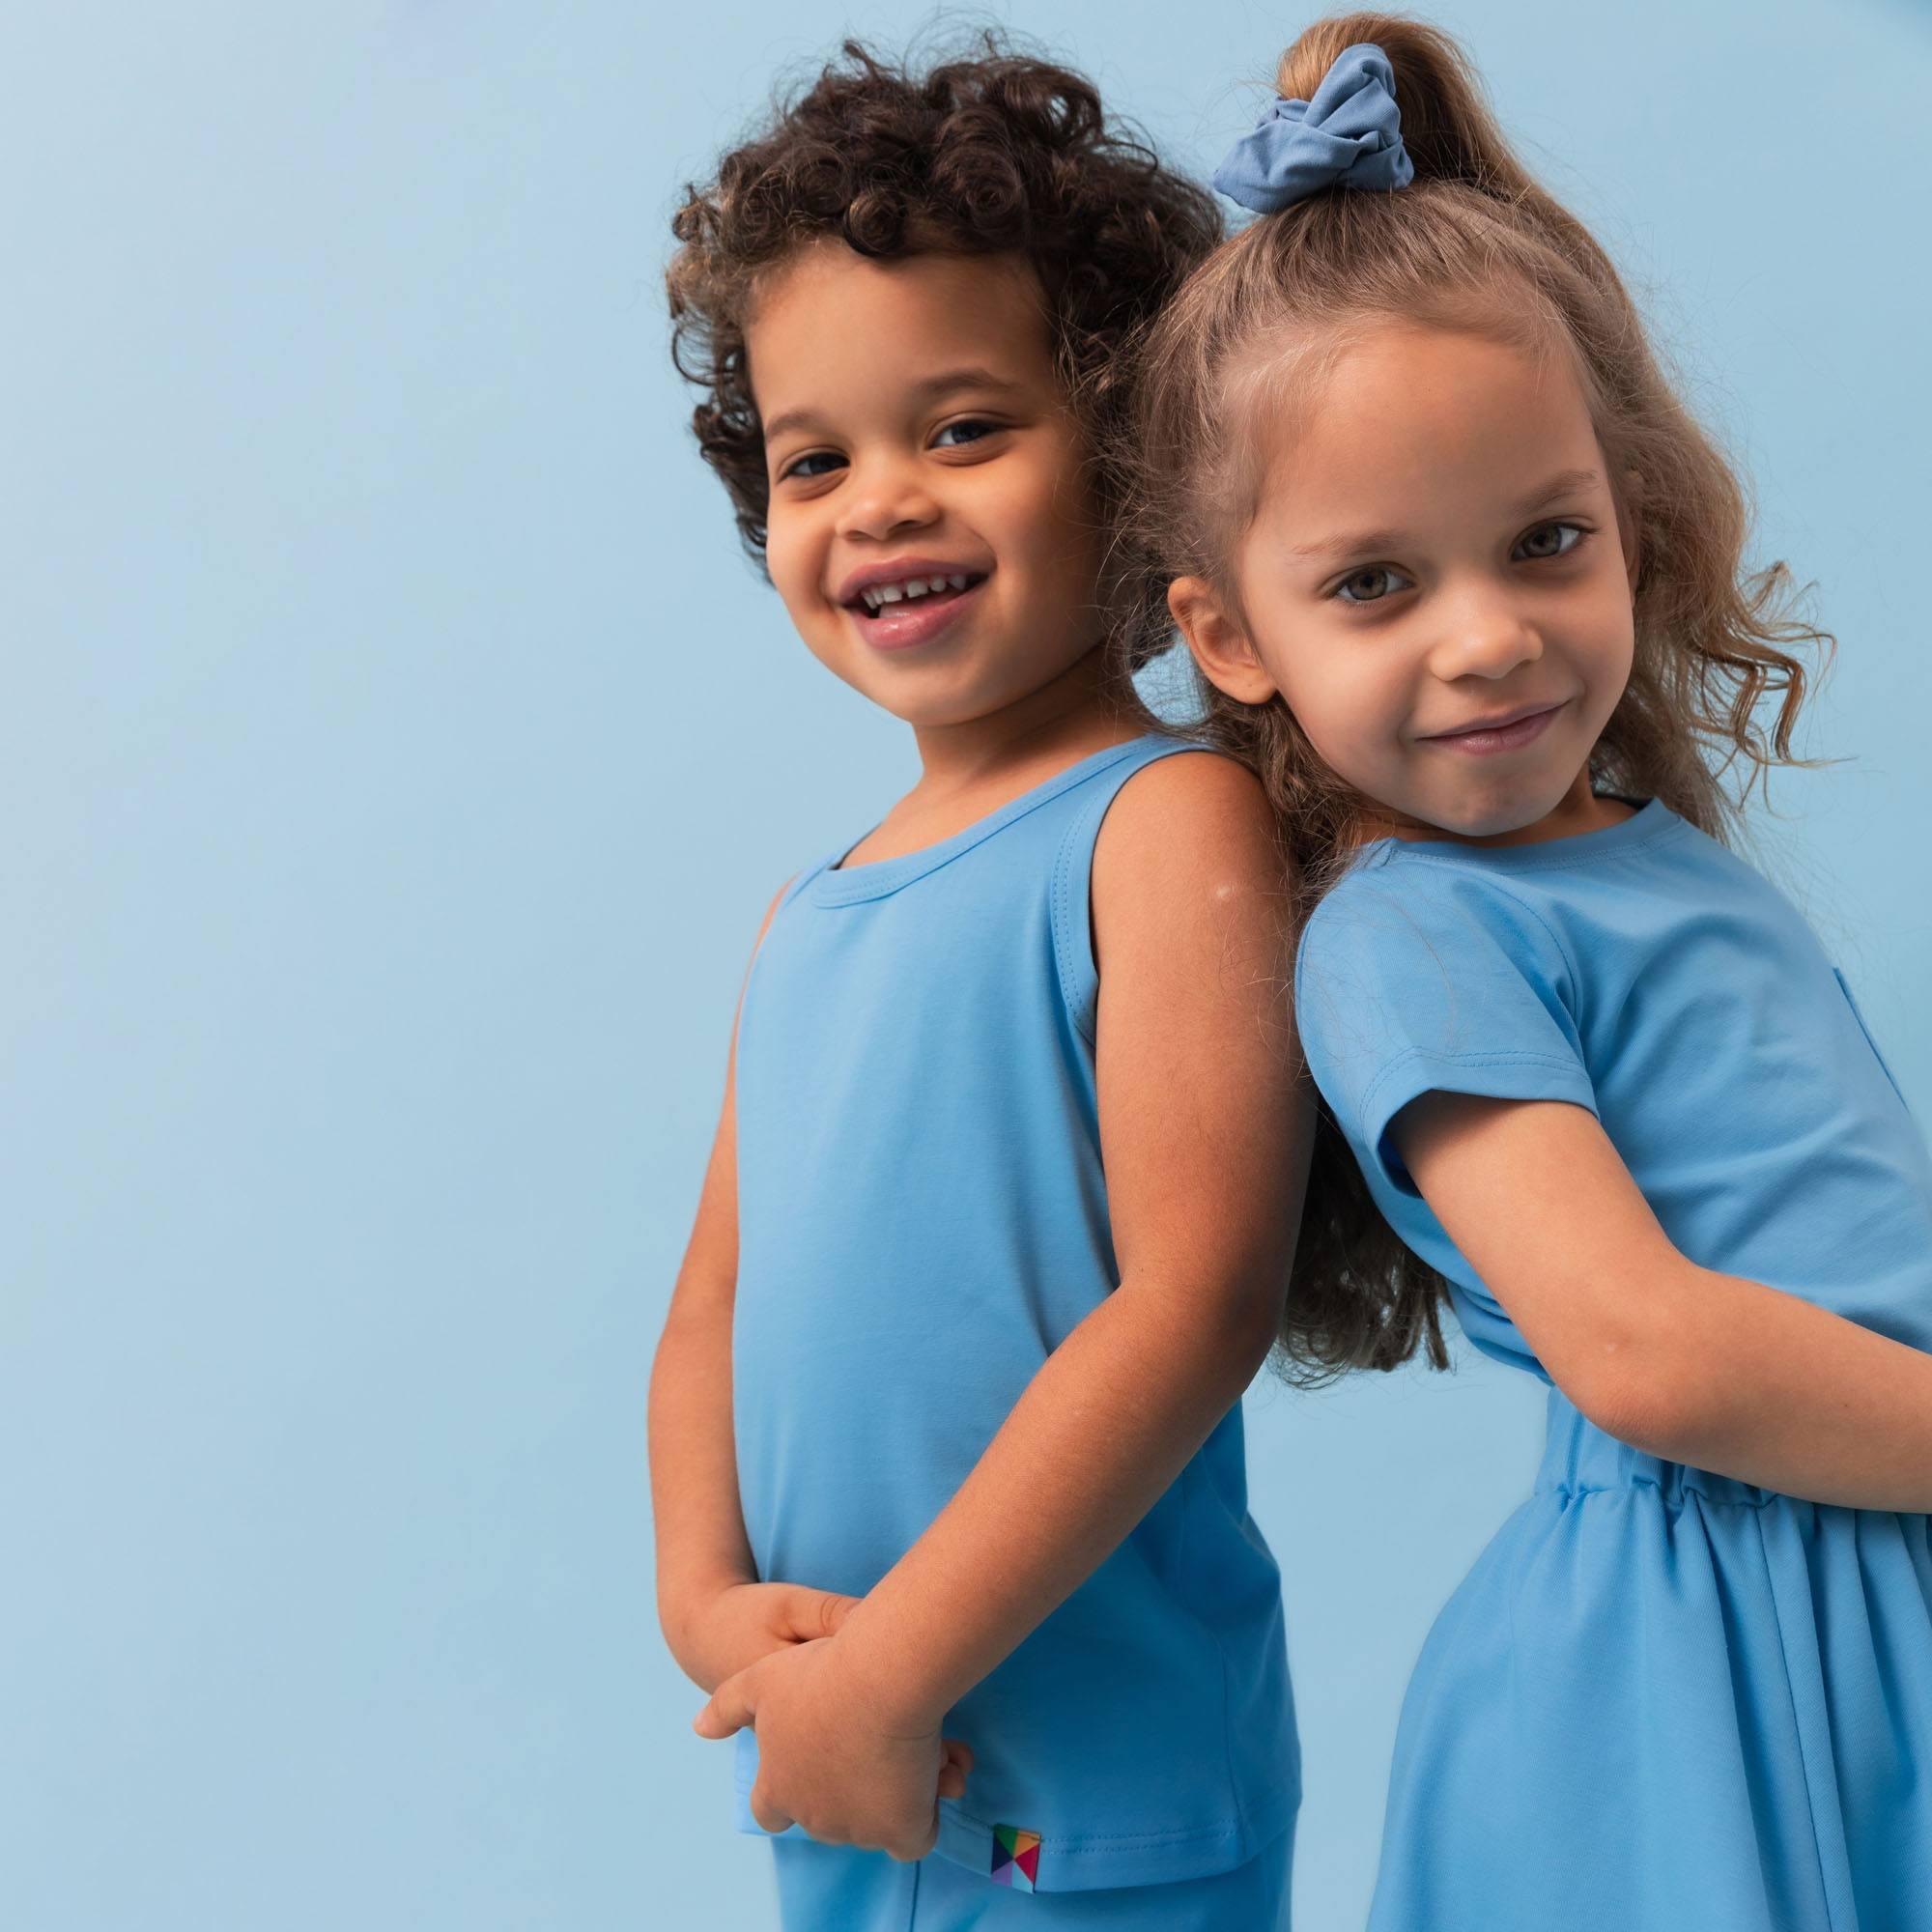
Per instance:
(1663,1698)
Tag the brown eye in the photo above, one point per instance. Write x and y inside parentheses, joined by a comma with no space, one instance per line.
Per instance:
(1370,585)
(969,429)
(801,467)
(1548,540)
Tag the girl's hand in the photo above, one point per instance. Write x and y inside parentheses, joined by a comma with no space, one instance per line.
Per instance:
(725,1630)
(832,1759)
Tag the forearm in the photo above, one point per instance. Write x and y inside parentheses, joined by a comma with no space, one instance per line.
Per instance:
(1775,1391)
(1693,1365)
(1104,1427)
(701,1546)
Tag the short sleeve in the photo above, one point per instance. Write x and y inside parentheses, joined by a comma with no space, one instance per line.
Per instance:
(1427,977)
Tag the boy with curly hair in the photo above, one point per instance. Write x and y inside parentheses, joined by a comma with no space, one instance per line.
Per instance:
(946,1445)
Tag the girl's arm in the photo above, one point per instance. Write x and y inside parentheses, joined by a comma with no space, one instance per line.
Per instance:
(1204,1134)
(1680,1361)
(716,1616)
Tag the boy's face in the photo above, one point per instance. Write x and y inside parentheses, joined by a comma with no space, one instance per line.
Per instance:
(916,433)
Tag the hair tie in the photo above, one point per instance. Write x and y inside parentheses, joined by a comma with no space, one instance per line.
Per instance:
(1350,135)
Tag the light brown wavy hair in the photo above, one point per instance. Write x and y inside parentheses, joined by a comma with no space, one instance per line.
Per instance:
(995,153)
(1473,244)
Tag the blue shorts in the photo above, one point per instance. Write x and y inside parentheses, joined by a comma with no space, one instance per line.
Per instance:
(837,1888)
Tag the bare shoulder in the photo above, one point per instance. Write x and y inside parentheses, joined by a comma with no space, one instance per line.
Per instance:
(1188,878)
(1194,824)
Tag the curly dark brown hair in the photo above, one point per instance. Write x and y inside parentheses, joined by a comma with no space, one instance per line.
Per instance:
(993,152)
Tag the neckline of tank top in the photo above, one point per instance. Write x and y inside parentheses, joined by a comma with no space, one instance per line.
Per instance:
(1651,821)
(836,884)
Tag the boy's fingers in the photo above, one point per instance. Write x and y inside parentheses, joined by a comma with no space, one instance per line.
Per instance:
(766,1815)
(955,1762)
(910,1848)
(730,1709)
(817,1614)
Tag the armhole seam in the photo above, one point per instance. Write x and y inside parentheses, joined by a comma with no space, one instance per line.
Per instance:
(1078,972)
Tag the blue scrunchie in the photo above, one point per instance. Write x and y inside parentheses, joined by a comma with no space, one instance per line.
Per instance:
(1350,135)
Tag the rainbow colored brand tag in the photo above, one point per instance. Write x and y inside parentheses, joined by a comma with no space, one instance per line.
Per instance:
(1015,1858)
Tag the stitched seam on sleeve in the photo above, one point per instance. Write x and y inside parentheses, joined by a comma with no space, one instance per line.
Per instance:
(1496,1058)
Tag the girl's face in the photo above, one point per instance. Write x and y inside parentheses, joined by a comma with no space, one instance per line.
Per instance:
(930,528)
(1437,585)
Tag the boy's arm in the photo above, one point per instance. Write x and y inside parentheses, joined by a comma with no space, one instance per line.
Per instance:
(716,1616)
(1678,1360)
(1205,1131)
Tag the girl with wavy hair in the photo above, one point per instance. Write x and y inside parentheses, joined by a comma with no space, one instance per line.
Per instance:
(1463,582)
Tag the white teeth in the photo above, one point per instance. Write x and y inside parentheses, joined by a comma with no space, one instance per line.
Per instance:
(876,594)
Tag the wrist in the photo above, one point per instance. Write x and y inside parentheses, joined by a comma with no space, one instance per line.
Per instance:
(685,1601)
(884,1672)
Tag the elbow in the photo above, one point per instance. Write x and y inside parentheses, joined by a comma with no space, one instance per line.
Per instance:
(1632,1402)
(1214,1335)
(1251,1325)
(1648,1388)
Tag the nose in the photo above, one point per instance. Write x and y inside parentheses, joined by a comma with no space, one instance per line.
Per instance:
(887,496)
(1483,635)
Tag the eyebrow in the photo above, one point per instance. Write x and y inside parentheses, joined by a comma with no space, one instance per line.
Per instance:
(929,389)
(1357,543)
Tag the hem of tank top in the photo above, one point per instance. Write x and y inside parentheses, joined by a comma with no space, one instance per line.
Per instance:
(1242,1828)
(1103,1844)
(1103,1868)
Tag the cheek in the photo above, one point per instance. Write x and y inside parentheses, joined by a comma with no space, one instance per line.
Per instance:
(1045,517)
(1343,706)
(791,558)
(1613,641)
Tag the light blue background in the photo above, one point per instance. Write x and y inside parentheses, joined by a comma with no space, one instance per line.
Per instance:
(395,758)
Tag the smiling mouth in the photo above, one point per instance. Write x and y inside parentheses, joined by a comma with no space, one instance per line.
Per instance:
(882,600)
(1505,735)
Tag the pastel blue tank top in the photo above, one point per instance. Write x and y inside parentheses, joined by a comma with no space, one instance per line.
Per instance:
(923,1218)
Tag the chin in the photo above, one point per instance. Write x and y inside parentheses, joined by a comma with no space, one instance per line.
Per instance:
(1495,820)
(1512,818)
(938,710)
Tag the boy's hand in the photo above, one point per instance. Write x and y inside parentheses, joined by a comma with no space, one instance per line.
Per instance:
(725,1630)
(831,1760)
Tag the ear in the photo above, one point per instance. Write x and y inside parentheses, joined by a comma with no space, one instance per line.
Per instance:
(1219,643)
(1629,524)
